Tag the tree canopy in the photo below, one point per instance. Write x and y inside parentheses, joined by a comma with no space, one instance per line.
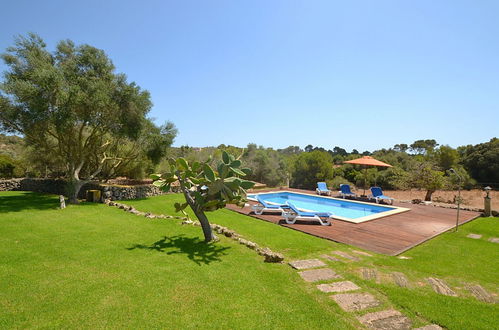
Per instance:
(72,105)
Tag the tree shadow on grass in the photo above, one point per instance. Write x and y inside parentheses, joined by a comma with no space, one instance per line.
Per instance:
(196,250)
(27,200)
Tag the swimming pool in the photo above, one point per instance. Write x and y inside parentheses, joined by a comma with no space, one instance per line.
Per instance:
(348,210)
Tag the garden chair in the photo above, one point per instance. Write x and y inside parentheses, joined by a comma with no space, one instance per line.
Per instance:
(322,189)
(291,214)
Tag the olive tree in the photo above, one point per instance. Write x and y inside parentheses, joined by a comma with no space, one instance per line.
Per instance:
(71,105)
(204,188)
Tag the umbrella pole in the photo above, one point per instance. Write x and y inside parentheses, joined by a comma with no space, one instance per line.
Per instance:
(365,179)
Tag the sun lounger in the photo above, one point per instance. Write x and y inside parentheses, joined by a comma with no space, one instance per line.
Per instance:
(377,194)
(322,189)
(263,206)
(291,214)
(345,191)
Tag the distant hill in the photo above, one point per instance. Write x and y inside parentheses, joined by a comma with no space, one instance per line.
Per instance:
(11,145)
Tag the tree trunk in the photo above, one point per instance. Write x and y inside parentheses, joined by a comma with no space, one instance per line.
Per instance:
(205,225)
(428,195)
(74,186)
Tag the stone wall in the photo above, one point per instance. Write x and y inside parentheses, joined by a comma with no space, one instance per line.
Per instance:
(52,186)
(124,192)
(58,187)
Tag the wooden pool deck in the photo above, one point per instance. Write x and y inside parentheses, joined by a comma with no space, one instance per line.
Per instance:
(391,235)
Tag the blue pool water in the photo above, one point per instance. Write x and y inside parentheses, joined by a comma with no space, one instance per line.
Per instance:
(339,207)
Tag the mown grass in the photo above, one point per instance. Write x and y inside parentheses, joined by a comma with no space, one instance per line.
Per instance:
(94,266)
(451,256)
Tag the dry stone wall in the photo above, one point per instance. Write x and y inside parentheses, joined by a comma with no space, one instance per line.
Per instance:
(58,187)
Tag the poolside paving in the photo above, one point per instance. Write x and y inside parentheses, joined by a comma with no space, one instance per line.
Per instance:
(439,286)
(391,235)
(362,253)
(346,255)
(480,293)
(369,274)
(430,327)
(306,264)
(494,239)
(330,258)
(320,274)
(342,286)
(388,319)
(355,301)
(400,279)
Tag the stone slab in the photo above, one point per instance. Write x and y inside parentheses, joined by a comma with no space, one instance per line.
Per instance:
(351,302)
(494,239)
(307,264)
(474,236)
(321,274)
(439,286)
(342,286)
(369,274)
(362,253)
(331,258)
(430,327)
(480,293)
(400,279)
(386,320)
(346,255)
(404,257)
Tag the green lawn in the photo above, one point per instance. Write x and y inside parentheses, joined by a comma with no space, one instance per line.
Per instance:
(451,256)
(94,266)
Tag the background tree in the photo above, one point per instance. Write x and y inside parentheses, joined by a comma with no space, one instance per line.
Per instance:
(70,104)
(423,146)
(482,161)
(426,176)
(268,165)
(446,157)
(206,189)
(310,167)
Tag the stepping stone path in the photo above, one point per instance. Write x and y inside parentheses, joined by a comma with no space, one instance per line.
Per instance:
(346,255)
(474,236)
(481,294)
(430,327)
(369,273)
(306,264)
(404,257)
(328,257)
(321,274)
(389,319)
(351,302)
(439,286)
(400,279)
(494,239)
(342,286)
(362,253)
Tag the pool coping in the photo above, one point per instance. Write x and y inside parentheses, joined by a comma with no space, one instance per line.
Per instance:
(396,209)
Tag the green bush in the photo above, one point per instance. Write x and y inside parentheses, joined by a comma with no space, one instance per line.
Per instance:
(9,168)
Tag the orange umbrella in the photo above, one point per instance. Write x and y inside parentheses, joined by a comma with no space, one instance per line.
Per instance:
(367,161)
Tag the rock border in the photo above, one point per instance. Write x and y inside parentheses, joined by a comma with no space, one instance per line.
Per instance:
(268,254)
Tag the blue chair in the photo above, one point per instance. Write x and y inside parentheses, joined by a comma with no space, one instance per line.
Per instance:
(345,191)
(263,206)
(377,194)
(322,189)
(291,213)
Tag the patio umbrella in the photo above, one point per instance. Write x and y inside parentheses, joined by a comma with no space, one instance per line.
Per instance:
(367,161)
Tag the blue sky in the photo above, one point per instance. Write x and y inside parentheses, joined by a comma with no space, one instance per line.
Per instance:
(355,74)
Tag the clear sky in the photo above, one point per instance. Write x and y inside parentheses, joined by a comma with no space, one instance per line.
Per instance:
(357,74)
